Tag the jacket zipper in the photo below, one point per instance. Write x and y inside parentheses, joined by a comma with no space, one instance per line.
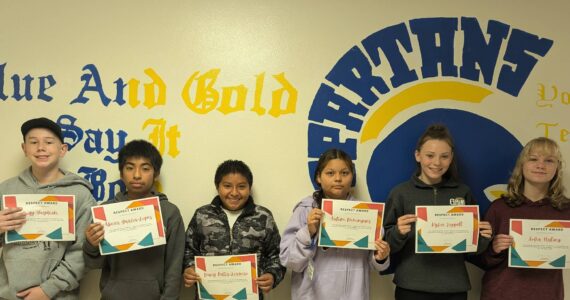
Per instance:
(434,196)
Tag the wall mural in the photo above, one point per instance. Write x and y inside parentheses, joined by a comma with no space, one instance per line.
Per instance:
(387,74)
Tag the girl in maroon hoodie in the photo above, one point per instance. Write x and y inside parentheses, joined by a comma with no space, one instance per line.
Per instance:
(535,191)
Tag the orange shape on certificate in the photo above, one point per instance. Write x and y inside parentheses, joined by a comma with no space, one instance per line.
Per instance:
(341,243)
(534,263)
(438,248)
(124,247)
(31,236)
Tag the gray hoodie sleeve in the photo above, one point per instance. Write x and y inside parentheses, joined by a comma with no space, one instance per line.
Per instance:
(175,239)
(92,256)
(66,275)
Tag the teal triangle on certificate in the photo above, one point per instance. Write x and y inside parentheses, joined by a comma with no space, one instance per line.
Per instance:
(516,259)
(559,262)
(362,243)
(107,248)
(147,241)
(56,234)
(325,239)
(204,293)
(241,295)
(422,245)
(462,246)
(12,235)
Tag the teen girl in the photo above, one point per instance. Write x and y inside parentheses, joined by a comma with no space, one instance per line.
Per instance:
(535,191)
(327,273)
(428,276)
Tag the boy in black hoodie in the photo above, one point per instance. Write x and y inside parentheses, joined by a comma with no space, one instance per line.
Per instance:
(150,273)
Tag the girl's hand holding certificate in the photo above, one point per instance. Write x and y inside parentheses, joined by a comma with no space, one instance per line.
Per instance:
(485,229)
(314,221)
(502,242)
(382,250)
(405,223)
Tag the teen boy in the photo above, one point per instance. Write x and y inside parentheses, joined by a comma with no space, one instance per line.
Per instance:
(151,273)
(43,270)
(233,224)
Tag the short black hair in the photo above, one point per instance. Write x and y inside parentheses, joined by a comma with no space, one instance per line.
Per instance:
(231,166)
(140,148)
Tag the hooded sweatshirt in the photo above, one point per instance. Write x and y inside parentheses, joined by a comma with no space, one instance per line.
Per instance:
(56,267)
(502,282)
(151,273)
(432,273)
(337,273)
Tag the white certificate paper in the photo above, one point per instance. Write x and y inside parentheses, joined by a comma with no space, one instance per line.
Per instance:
(350,224)
(48,217)
(447,228)
(130,225)
(227,277)
(540,244)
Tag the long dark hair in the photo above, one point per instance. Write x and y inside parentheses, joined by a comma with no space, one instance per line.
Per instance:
(322,163)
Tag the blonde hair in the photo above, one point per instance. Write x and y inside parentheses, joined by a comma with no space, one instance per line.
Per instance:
(515,188)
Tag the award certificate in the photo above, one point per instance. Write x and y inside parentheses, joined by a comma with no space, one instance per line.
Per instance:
(350,224)
(130,225)
(447,228)
(227,277)
(540,244)
(48,217)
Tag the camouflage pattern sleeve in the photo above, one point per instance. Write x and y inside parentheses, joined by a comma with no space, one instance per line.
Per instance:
(271,263)
(191,248)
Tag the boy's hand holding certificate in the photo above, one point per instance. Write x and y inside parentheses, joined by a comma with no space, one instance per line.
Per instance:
(130,225)
(447,229)
(350,224)
(542,244)
(48,217)
(227,277)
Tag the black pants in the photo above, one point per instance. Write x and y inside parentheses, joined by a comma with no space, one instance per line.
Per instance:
(404,294)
